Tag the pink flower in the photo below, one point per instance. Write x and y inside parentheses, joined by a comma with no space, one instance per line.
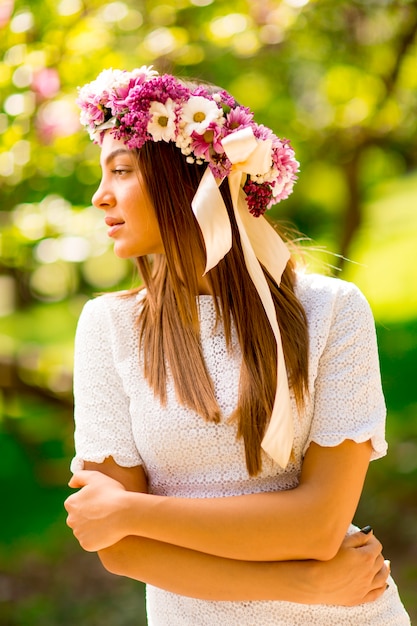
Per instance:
(220,166)
(262,132)
(286,167)
(118,96)
(209,142)
(240,117)
(92,113)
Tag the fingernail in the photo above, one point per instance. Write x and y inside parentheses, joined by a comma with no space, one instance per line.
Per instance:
(388,564)
(366,530)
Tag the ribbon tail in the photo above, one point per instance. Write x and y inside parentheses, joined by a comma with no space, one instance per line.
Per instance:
(211,214)
(279,436)
(268,246)
(213,219)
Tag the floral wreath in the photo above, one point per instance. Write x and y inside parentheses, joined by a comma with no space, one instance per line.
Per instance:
(144,106)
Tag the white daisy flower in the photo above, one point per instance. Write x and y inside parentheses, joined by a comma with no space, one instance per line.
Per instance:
(162,123)
(145,70)
(198,113)
(106,81)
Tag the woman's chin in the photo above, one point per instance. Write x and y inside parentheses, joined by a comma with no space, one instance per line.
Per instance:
(121,251)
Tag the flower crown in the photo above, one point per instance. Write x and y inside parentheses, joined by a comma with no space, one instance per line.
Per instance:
(142,106)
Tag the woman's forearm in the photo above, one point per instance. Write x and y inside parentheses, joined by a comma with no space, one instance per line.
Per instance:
(198,575)
(352,577)
(265,526)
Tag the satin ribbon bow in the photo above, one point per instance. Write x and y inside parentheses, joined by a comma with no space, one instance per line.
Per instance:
(260,244)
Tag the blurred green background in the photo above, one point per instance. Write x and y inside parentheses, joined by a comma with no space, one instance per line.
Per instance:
(340,79)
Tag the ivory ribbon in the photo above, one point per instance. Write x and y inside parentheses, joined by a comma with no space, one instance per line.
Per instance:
(260,244)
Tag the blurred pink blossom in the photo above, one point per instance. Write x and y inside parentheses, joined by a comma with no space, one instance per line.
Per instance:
(6,10)
(46,83)
(57,118)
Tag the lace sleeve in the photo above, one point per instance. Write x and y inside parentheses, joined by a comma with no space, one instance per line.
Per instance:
(348,398)
(102,418)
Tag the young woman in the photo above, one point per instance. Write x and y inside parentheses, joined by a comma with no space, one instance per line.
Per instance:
(226,413)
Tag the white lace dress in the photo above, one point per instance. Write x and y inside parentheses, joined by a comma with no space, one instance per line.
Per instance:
(117,414)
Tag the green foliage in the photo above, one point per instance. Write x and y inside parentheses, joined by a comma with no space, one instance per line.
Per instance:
(337,78)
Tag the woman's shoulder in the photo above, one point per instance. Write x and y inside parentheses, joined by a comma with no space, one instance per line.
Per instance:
(115,309)
(116,300)
(321,293)
(323,286)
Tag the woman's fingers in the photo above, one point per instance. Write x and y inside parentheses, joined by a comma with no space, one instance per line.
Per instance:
(85,477)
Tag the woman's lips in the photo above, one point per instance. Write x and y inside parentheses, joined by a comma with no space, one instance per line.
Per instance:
(114,224)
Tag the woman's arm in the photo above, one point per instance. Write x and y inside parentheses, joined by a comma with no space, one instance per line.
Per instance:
(308,522)
(357,574)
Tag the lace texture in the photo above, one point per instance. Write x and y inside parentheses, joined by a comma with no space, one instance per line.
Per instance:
(117,414)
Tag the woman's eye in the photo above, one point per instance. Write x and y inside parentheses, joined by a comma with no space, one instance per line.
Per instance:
(120,171)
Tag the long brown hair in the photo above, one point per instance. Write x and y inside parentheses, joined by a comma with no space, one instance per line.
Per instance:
(168,321)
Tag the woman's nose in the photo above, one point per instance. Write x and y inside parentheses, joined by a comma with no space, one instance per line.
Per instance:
(102,198)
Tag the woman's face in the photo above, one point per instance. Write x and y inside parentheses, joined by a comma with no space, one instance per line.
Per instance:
(123,197)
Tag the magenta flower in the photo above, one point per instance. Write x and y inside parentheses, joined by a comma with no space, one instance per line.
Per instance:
(226,99)
(220,166)
(205,145)
(258,197)
(203,92)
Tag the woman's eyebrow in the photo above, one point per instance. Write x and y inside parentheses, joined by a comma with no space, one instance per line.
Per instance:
(110,157)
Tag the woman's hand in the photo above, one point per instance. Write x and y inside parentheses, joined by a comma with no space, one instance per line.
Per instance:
(98,512)
(357,574)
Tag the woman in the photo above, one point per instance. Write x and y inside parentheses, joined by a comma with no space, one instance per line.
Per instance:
(226,414)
